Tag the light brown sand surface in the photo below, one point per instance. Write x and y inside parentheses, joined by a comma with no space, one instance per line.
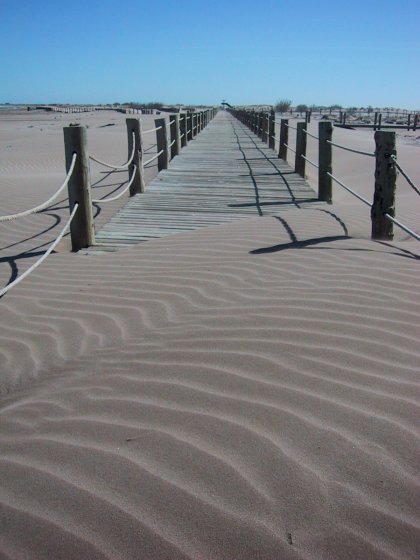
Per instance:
(242,391)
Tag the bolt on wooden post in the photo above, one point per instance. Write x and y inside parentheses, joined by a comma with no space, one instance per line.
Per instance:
(284,138)
(175,136)
(300,149)
(136,168)
(162,144)
(82,231)
(385,186)
(325,130)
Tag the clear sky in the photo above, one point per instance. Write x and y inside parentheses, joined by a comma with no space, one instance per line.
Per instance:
(362,52)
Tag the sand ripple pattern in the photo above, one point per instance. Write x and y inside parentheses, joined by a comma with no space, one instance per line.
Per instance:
(215,395)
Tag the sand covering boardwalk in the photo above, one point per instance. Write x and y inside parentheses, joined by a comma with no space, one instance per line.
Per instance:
(226,173)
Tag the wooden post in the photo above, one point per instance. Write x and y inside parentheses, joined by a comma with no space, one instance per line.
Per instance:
(271,131)
(416,118)
(82,230)
(162,144)
(175,136)
(375,121)
(300,149)
(133,133)
(385,186)
(189,126)
(325,130)
(408,121)
(183,130)
(380,121)
(284,138)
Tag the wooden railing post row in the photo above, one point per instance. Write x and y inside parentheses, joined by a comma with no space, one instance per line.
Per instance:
(82,231)
(183,130)
(175,135)
(133,133)
(284,138)
(271,131)
(385,186)
(162,144)
(300,162)
(325,130)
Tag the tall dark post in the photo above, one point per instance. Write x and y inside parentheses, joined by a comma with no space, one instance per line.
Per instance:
(81,228)
(385,186)
(162,144)
(134,135)
(325,130)
(284,138)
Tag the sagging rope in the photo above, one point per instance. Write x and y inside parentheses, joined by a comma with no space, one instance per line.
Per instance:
(370,154)
(388,216)
(151,130)
(44,256)
(47,202)
(153,158)
(116,197)
(117,166)
(404,174)
(287,146)
(309,161)
(309,134)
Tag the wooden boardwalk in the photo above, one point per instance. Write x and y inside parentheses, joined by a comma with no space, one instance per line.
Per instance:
(226,173)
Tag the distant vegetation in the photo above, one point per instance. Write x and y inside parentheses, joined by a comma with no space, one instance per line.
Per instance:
(139,105)
(282,105)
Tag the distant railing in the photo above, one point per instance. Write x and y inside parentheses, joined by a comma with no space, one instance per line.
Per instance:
(182,128)
(383,219)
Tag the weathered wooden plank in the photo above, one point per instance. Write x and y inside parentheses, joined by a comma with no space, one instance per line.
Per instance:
(226,174)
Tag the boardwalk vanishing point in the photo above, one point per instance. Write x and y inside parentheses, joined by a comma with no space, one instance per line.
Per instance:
(226,173)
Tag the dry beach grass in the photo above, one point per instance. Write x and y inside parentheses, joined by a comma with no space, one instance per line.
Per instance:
(242,391)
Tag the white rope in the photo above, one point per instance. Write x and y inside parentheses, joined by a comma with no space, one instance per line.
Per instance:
(311,135)
(172,143)
(404,174)
(182,135)
(47,202)
(152,130)
(287,146)
(116,197)
(44,256)
(370,154)
(309,161)
(124,166)
(402,226)
(290,126)
(350,190)
(153,158)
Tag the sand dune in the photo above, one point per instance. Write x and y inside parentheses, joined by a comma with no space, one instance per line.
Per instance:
(242,391)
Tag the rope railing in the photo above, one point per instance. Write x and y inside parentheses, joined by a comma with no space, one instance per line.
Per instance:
(309,161)
(152,130)
(404,174)
(402,226)
(124,166)
(44,256)
(153,158)
(291,149)
(370,154)
(47,202)
(290,126)
(309,134)
(349,189)
(119,195)
(172,143)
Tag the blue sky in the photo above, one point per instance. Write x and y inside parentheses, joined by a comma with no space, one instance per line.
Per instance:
(358,53)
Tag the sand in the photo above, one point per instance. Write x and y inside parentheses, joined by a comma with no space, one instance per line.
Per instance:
(241,391)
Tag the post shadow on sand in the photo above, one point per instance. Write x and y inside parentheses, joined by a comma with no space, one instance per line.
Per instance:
(309,243)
